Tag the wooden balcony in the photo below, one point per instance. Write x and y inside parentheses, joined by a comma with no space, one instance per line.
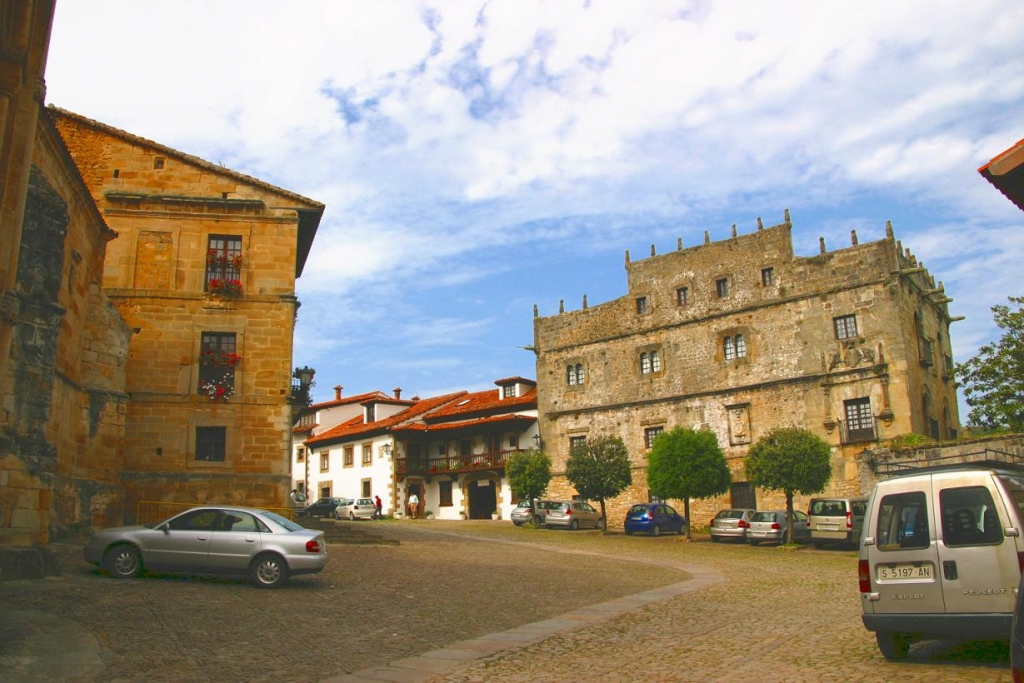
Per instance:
(451,464)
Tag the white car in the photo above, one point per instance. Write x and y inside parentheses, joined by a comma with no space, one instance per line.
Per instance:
(359,508)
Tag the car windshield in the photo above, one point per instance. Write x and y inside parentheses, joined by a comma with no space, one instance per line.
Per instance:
(523,504)
(763,517)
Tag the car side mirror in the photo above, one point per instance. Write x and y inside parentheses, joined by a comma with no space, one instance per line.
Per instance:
(165,527)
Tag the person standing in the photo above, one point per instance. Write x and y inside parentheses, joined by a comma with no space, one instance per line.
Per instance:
(378,514)
(414,505)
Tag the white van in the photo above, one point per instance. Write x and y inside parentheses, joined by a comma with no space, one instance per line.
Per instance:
(941,554)
(836,520)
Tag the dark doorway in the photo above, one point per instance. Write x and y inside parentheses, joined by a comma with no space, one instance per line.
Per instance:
(743,495)
(483,499)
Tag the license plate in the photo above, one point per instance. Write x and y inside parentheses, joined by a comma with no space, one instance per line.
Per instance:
(828,527)
(904,572)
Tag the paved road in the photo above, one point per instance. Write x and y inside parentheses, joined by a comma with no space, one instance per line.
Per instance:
(477,601)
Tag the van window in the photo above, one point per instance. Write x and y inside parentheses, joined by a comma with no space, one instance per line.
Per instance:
(969,517)
(903,522)
(822,507)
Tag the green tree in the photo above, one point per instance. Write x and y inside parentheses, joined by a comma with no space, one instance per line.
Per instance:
(993,381)
(599,469)
(791,460)
(684,464)
(529,473)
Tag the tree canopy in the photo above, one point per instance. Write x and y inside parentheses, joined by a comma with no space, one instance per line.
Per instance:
(993,381)
(791,460)
(529,473)
(684,464)
(599,469)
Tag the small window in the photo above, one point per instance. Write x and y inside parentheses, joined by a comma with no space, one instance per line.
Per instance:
(641,304)
(722,287)
(574,374)
(366,488)
(767,277)
(650,434)
(576,442)
(158,163)
(683,296)
(650,362)
(370,413)
(348,456)
(444,489)
(325,460)
(300,455)
(513,441)
(211,443)
(508,391)
(734,347)
(845,326)
(367,453)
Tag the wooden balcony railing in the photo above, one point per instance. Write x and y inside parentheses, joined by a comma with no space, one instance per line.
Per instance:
(452,464)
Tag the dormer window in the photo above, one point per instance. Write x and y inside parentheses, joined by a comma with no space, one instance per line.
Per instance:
(508,390)
(370,413)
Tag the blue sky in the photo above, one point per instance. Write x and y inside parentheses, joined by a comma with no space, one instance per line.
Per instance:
(477,158)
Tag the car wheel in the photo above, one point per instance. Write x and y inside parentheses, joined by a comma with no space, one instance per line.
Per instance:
(574,524)
(893,645)
(753,542)
(269,571)
(518,523)
(819,545)
(629,532)
(715,539)
(351,516)
(656,531)
(123,562)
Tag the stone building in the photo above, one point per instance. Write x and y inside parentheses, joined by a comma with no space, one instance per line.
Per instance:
(63,347)
(203,271)
(741,336)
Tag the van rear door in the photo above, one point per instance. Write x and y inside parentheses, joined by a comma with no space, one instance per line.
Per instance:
(978,564)
(902,552)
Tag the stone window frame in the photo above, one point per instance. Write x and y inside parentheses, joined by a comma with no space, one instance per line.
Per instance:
(575,373)
(651,361)
(227,265)
(723,287)
(325,461)
(734,347)
(576,439)
(683,295)
(845,326)
(211,443)
(367,454)
(643,305)
(768,276)
(348,456)
(218,344)
(300,454)
(651,433)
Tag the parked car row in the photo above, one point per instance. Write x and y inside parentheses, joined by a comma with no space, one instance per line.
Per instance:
(340,508)
(569,514)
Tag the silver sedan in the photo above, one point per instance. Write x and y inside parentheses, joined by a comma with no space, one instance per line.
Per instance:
(212,540)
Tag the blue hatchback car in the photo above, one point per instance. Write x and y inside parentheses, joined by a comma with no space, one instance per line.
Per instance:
(654,518)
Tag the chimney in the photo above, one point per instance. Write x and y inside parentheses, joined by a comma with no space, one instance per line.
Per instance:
(337,392)
(398,392)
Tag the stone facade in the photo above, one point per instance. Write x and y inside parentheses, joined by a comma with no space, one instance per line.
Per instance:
(741,336)
(63,347)
(209,368)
